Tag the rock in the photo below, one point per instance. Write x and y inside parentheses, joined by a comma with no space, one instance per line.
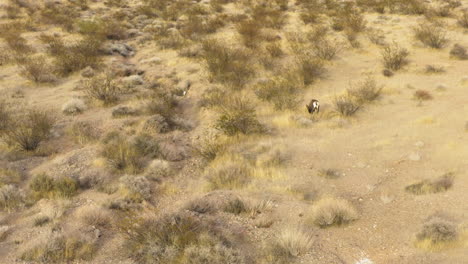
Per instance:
(119,48)
(133,80)
(74,106)
(87,72)
(123,111)
(153,60)
(156,123)
(414,157)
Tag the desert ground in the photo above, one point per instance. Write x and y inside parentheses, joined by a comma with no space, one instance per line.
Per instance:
(177,131)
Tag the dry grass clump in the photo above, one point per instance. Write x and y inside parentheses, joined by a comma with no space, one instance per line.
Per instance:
(229,175)
(44,186)
(345,105)
(181,238)
(210,146)
(238,117)
(27,129)
(326,49)
(60,15)
(62,249)
(201,206)
(329,173)
(463,19)
(366,91)
(82,132)
(437,233)
(459,52)
(282,92)
(289,243)
(103,29)
(422,95)
(269,14)
(104,88)
(250,31)
(135,189)
(394,57)
(440,184)
(236,206)
(41,220)
(228,65)
(129,155)
(164,104)
(329,211)
(309,67)
(431,35)
(434,69)
(97,217)
(274,49)
(5,116)
(11,197)
(10,176)
(36,69)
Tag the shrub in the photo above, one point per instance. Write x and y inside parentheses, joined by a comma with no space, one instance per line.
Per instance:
(463,19)
(434,69)
(163,104)
(274,49)
(10,197)
(100,28)
(436,232)
(158,170)
(103,88)
(345,105)
(440,184)
(211,97)
(61,15)
(238,117)
(135,188)
(201,206)
(250,31)
(180,238)
(73,107)
(326,49)
(422,95)
(236,206)
(5,116)
(329,173)
(365,91)
(431,35)
(36,69)
(231,175)
(41,220)
(281,92)
(29,129)
(61,249)
(289,243)
(82,132)
(226,64)
(44,186)
(459,52)
(309,68)
(394,57)
(329,211)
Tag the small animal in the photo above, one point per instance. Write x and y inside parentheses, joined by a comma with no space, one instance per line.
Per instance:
(313,106)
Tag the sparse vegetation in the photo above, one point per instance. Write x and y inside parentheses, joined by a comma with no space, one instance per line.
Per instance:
(103,88)
(238,117)
(436,233)
(365,91)
(394,57)
(282,92)
(440,184)
(289,243)
(228,175)
(431,35)
(463,19)
(422,95)
(329,211)
(345,105)
(10,197)
(44,186)
(459,52)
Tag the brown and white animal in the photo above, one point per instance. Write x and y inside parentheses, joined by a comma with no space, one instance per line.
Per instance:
(313,106)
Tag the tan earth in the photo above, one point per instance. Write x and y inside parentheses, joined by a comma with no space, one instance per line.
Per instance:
(387,145)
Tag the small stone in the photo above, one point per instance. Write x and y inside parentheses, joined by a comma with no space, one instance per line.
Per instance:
(414,157)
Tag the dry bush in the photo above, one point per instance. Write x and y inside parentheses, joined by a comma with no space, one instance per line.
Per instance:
(365,91)
(103,88)
(5,116)
(459,52)
(44,186)
(434,69)
(329,211)
(16,42)
(229,175)
(97,217)
(129,155)
(345,105)
(440,184)
(329,173)
(250,31)
(28,129)
(210,146)
(12,11)
(422,95)
(198,26)
(201,206)
(310,68)
(437,232)
(394,57)
(226,64)
(135,189)
(10,176)
(326,49)
(274,49)
(103,28)
(158,170)
(212,97)
(236,206)
(431,35)
(289,243)
(61,249)
(41,220)
(82,132)
(164,104)
(36,69)
(238,117)
(377,37)
(73,107)
(269,15)
(11,197)
(181,238)
(60,15)
(282,92)
(463,19)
